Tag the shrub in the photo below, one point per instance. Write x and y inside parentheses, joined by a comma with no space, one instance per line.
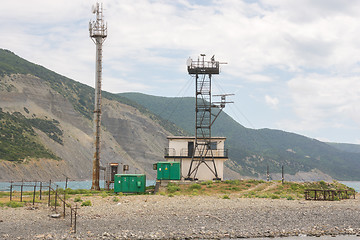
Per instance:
(86,203)
(273,196)
(195,192)
(171,195)
(52,203)
(13,204)
(290,198)
(77,199)
(195,186)
(173,188)
(226,197)
(115,199)
(104,194)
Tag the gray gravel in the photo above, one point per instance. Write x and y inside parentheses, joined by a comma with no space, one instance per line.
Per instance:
(185,217)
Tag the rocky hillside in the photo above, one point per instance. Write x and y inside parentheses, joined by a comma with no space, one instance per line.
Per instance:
(46,131)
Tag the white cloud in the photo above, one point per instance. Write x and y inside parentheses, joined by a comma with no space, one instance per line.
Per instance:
(325,101)
(273,102)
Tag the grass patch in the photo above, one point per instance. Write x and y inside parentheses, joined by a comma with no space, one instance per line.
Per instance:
(14,204)
(225,196)
(86,203)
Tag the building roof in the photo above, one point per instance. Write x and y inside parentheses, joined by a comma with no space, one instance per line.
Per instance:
(191,137)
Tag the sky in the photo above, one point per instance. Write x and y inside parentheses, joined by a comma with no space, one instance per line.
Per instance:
(292,65)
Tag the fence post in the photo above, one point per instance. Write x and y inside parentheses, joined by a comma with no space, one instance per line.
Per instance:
(66,182)
(71,216)
(40,189)
(49,193)
(56,197)
(64,201)
(75,218)
(10,190)
(282,174)
(34,194)
(21,191)
(267,173)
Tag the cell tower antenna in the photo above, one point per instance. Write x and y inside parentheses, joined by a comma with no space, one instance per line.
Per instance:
(98,33)
(204,116)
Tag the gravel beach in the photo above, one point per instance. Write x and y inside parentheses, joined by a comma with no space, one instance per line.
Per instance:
(184,217)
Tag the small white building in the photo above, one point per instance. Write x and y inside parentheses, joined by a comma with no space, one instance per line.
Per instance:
(181,150)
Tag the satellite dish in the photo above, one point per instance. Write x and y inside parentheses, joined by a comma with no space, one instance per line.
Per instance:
(93,9)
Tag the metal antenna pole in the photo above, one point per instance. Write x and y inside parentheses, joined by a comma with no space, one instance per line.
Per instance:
(98,33)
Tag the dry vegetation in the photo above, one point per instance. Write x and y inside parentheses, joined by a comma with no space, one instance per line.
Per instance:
(248,189)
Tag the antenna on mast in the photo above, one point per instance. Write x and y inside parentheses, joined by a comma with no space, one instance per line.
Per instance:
(98,34)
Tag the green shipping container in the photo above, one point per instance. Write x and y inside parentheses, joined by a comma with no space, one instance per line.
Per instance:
(168,171)
(130,183)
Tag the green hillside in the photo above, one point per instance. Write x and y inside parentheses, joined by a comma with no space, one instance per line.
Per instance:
(18,139)
(253,150)
(346,147)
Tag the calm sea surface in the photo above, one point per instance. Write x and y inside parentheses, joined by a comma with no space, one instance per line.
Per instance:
(4,186)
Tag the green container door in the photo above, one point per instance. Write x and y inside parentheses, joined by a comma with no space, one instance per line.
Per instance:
(168,171)
(130,183)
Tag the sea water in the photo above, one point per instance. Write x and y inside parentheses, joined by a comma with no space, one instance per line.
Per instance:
(5,186)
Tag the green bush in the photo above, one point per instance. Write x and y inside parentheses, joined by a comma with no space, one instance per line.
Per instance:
(290,198)
(52,203)
(13,204)
(226,197)
(77,199)
(86,203)
(104,194)
(273,196)
(115,199)
(171,188)
(195,186)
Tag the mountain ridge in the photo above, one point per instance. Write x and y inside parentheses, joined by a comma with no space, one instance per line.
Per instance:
(255,149)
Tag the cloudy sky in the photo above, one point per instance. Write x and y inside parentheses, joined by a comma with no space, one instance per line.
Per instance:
(293,65)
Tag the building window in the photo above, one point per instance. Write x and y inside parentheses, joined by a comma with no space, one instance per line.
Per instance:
(213,145)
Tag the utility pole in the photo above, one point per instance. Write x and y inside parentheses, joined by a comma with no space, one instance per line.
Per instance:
(98,34)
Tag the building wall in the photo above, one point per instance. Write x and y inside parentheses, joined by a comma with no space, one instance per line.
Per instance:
(179,146)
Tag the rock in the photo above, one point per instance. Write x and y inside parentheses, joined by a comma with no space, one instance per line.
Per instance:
(55,215)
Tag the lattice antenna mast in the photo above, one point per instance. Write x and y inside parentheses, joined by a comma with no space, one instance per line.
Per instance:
(98,33)
(204,116)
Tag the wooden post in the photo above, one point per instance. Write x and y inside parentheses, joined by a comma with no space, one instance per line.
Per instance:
(66,182)
(11,186)
(267,173)
(21,191)
(64,202)
(40,189)
(56,197)
(71,217)
(76,208)
(282,174)
(49,193)
(34,194)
